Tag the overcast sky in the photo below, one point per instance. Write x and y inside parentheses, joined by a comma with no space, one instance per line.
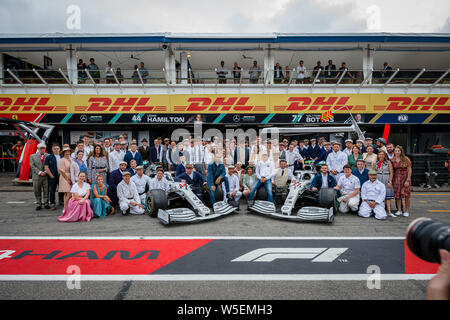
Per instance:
(230,16)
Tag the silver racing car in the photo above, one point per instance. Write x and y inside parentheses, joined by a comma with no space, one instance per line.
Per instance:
(157,203)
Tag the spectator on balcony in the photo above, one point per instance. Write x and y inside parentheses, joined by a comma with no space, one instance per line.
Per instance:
(94,71)
(287,74)
(135,75)
(222,73)
(348,74)
(255,72)
(81,73)
(109,73)
(144,72)
(278,73)
(330,69)
(119,75)
(236,73)
(318,69)
(386,71)
(301,72)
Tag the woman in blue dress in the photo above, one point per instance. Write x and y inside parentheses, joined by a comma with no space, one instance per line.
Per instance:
(100,202)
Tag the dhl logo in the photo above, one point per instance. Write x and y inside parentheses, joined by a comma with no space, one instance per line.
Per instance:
(23,104)
(319,103)
(219,104)
(419,104)
(135,104)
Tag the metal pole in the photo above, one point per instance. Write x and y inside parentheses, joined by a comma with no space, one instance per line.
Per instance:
(15,77)
(391,77)
(342,76)
(416,77)
(40,77)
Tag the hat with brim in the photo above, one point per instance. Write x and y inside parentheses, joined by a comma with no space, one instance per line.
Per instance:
(116,142)
(123,162)
(368,138)
(359,140)
(140,167)
(349,140)
(123,142)
(41,145)
(382,140)
(126,173)
(336,142)
(371,172)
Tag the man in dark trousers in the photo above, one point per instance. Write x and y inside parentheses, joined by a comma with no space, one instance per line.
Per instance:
(192,178)
(39,176)
(314,150)
(156,152)
(114,179)
(51,167)
(217,175)
(242,154)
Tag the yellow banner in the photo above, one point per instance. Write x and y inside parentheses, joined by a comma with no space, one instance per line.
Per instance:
(238,103)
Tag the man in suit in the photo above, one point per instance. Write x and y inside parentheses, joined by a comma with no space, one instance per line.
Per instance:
(314,150)
(192,178)
(242,154)
(324,152)
(144,150)
(39,176)
(181,167)
(165,149)
(132,154)
(114,179)
(51,168)
(156,152)
(323,179)
(303,150)
(217,175)
(330,69)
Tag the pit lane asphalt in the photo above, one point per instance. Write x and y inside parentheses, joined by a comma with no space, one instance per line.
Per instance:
(19,218)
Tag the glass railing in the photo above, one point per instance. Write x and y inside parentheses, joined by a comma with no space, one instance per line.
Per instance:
(234,77)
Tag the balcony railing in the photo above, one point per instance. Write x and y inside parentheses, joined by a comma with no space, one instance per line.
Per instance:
(268,77)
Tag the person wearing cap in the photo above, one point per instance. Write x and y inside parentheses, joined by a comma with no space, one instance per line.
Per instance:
(156,152)
(65,173)
(369,142)
(349,187)
(133,154)
(129,200)
(294,160)
(325,151)
(361,172)
(51,168)
(123,146)
(144,150)
(313,150)
(39,177)
(303,150)
(193,178)
(216,175)
(265,170)
(159,181)
(306,142)
(360,144)
(234,184)
(115,156)
(348,147)
(381,144)
(114,179)
(165,149)
(336,161)
(142,182)
(373,193)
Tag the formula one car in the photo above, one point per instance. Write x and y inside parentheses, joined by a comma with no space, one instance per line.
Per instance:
(157,202)
(299,194)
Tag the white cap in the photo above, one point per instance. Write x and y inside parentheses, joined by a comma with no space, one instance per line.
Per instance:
(41,145)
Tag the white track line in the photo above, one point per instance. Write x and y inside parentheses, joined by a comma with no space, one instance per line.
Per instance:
(219,277)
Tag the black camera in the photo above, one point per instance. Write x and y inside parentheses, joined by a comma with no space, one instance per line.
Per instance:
(425,237)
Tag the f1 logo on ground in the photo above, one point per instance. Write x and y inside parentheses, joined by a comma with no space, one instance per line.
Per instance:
(271,254)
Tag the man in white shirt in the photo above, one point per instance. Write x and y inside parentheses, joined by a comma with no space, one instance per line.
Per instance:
(199,157)
(107,145)
(87,148)
(349,186)
(348,147)
(234,184)
(115,157)
(265,170)
(390,150)
(293,159)
(80,146)
(222,73)
(160,182)
(141,181)
(129,200)
(301,72)
(373,193)
(336,160)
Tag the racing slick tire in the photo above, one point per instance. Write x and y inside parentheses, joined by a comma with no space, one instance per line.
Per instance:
(261,193)
(156,199)
(327,198)
(218,195)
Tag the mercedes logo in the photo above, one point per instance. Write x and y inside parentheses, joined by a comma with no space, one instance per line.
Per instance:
(83,118)
(236,118)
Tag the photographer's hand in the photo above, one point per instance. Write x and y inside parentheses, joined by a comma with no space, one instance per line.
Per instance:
(439,286)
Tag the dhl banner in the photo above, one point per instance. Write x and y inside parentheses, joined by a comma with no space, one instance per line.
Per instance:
(234,104)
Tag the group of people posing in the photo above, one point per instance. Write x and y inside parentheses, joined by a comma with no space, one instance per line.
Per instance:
(97,179)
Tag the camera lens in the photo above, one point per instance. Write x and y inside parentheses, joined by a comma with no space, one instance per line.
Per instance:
(425,237)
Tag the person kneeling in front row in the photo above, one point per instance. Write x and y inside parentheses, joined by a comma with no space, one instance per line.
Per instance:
(373,193)
(129,200)
(349,186)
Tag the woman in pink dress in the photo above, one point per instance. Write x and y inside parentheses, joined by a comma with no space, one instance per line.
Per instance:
(402,180)
(78,208)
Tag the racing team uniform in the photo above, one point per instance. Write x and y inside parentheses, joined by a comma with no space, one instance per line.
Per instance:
(348,186)
(373,191)
(162,184)
(142,186)
(233,182)
(337,161)
(291,159)
(127,193)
